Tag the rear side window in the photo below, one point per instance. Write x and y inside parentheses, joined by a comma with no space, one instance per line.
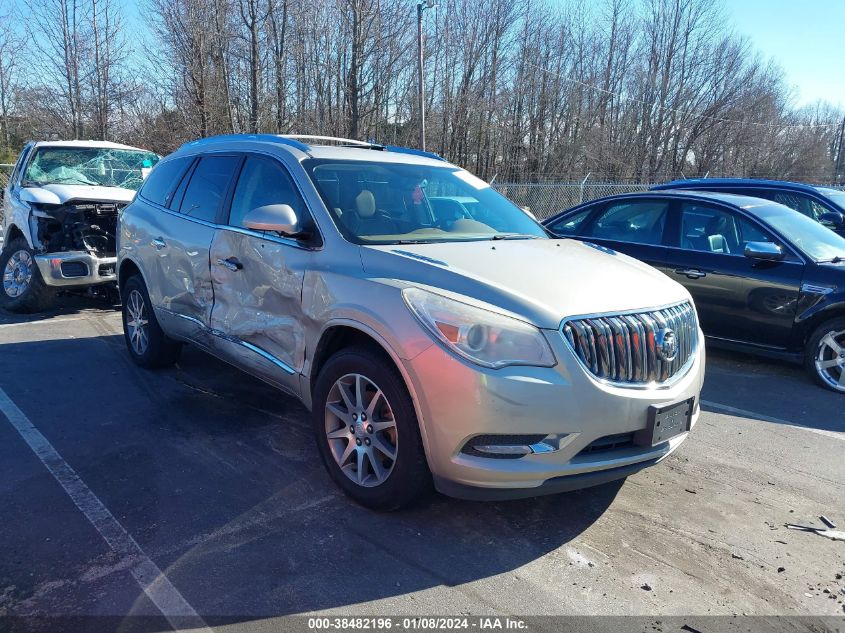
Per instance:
(571,224)
(208,186)
(159,186)
(640,222)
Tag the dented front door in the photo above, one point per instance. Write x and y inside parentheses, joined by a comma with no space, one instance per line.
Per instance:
(257,315)
(257,318)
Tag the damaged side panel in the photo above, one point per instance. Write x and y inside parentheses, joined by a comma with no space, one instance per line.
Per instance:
(257,316)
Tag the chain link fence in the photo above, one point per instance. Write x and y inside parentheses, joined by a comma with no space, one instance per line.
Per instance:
(5,171)
(546,199)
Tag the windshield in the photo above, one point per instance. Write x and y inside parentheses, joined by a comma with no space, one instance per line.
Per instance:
(101,166)
(835,196)
(395,203)
(815,240)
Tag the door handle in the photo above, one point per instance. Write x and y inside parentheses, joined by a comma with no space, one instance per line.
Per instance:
(691,273)
(231,264)
(159,243)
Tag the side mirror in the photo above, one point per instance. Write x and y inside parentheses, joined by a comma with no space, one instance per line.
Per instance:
(278,218)
(833,219)
(766,251)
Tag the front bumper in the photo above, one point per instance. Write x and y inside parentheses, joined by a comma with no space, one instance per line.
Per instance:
(459,401)
(76,268)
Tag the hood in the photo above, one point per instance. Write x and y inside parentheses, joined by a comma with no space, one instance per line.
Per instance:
(60,194)
(542,281)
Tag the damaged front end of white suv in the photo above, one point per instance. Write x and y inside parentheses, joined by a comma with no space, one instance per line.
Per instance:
(61,206)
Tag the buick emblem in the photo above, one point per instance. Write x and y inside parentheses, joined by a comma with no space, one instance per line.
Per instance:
(666,345)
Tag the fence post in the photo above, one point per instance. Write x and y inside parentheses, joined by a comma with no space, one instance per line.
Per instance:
(584,182)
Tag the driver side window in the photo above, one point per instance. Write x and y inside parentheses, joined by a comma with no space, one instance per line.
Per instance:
(263,181)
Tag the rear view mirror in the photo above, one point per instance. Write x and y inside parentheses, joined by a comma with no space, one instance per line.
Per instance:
(278,218)
(766,251)
(833,219)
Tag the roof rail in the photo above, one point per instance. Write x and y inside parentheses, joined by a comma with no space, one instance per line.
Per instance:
(269,138)
(333,139)
(415,152)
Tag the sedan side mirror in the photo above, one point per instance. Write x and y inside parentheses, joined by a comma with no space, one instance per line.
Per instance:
(278,218)
(766,251)
(832,219)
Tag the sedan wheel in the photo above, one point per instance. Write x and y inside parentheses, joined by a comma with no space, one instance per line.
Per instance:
(17,275)
(361,430)
(829,359)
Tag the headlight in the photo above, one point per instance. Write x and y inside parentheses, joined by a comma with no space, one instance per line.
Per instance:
(483,337)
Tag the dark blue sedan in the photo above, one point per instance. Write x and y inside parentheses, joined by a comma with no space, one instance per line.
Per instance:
(823,204)
(765,278)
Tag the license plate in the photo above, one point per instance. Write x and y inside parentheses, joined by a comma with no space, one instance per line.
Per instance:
(665,423)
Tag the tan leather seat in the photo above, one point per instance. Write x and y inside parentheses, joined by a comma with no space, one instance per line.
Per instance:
(367,220)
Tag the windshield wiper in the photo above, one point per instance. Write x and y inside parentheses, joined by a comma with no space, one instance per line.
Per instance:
(79,181)
(514,236)
(832,260)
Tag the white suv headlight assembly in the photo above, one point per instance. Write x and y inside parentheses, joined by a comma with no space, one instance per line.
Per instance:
(480,336)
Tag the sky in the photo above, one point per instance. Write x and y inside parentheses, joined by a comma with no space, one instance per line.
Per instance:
(804,37)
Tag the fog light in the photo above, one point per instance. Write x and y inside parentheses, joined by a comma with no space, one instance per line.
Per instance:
(511,446)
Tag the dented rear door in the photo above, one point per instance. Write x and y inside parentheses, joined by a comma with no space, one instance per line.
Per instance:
(257,277)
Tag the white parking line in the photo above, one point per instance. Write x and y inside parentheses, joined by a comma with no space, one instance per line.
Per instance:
(152,580)
(52,321)
(723,408)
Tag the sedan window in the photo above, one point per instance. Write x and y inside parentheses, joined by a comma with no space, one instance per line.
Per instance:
(712,230)
(798,201)
(639,221)
(570,224)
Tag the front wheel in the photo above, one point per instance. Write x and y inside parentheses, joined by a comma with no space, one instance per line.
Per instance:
(825,355)
(367,430)
(23,288)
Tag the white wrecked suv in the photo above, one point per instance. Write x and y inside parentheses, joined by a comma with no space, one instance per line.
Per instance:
(435,331)
(60,206)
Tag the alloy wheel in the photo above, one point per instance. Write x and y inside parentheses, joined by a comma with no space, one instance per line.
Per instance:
(17,275)
(136,322)
(361,430)
(830,359)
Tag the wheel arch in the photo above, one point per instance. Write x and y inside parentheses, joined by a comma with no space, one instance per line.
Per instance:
(128,267)
(811,324)
(13,232)
(342,333)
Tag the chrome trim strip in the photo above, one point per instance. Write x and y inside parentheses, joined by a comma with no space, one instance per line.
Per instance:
(634,364)
(232,339)
(816,289)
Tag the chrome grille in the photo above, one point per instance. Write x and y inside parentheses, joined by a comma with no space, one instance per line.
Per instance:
(621,348)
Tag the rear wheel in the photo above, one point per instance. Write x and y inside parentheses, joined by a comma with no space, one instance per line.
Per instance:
(148,345)
(367,430)
(23,288)
(825,355)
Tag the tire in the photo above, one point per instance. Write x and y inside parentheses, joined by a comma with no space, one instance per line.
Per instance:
(825,355)
(148,345)
(23,289)
(404,478)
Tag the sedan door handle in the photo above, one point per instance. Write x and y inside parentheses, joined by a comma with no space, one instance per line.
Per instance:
(159,243)
(231,264)
(691,273)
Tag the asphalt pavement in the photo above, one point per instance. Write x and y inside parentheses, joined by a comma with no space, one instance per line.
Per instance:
(126,492)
